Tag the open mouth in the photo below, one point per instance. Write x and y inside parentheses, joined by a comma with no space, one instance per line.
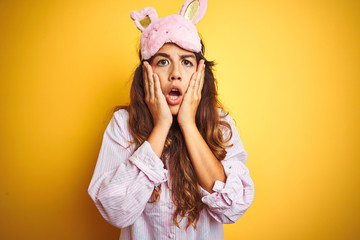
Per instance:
(174,94)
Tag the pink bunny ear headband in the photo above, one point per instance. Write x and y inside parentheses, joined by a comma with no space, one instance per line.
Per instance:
(178,28)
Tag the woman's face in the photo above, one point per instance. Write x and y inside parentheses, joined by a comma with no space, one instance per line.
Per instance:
(174,66)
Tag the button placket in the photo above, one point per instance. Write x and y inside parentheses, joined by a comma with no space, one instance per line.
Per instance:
(171,234)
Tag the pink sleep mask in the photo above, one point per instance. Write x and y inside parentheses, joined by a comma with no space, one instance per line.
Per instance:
(177,28)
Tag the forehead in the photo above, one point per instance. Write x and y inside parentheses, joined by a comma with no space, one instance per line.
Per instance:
(173,49)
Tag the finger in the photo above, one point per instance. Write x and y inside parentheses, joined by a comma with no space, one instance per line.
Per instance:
(202,79)
(146,84)
(192,82)
(200,66)
(150,81)
(199,70)
(158,91)
(197,82)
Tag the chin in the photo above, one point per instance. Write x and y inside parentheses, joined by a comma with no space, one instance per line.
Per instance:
(174,110)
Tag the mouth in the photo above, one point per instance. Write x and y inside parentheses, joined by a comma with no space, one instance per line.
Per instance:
(174,96)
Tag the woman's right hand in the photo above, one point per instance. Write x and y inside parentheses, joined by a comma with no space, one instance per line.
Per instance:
(155,99)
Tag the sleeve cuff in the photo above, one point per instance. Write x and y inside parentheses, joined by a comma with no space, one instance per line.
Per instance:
(218,186)
(148,162)
(217,196)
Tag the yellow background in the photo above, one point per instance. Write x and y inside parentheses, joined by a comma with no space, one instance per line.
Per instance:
(288,71)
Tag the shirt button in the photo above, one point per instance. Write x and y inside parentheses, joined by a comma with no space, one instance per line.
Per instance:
(170,235)
(169,206)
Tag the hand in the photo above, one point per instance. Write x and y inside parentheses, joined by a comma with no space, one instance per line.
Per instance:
(155,99)
(192,97)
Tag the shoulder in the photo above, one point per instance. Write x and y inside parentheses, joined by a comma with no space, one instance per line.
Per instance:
(120,125)
(121,115)
(230,132)
(227,124)
(225,116)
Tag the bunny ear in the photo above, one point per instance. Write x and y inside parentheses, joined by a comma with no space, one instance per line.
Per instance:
(144,18)
(193,10)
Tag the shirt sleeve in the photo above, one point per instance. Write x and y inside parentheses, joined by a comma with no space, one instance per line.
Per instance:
(124,180)
(231,199)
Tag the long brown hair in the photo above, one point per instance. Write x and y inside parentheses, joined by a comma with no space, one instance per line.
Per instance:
(185,189)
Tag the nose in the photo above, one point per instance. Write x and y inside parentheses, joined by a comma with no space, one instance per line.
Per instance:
(175,73)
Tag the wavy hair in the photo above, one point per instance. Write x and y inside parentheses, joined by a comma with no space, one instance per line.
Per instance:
(185,188)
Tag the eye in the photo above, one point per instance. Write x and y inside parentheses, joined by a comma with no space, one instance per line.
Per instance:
(162,62)
(187,63)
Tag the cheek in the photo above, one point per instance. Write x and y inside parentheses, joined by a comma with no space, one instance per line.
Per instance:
(163,80)
(189,76)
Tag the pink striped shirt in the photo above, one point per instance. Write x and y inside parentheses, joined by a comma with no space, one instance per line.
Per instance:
(124,180)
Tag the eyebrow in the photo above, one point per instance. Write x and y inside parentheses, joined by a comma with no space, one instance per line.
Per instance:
(168,56)
(187,56)
(161,54)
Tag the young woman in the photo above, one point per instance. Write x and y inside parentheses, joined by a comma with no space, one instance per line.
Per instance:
(172,165)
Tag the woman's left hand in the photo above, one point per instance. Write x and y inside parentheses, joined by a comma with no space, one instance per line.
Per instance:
(192,97)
